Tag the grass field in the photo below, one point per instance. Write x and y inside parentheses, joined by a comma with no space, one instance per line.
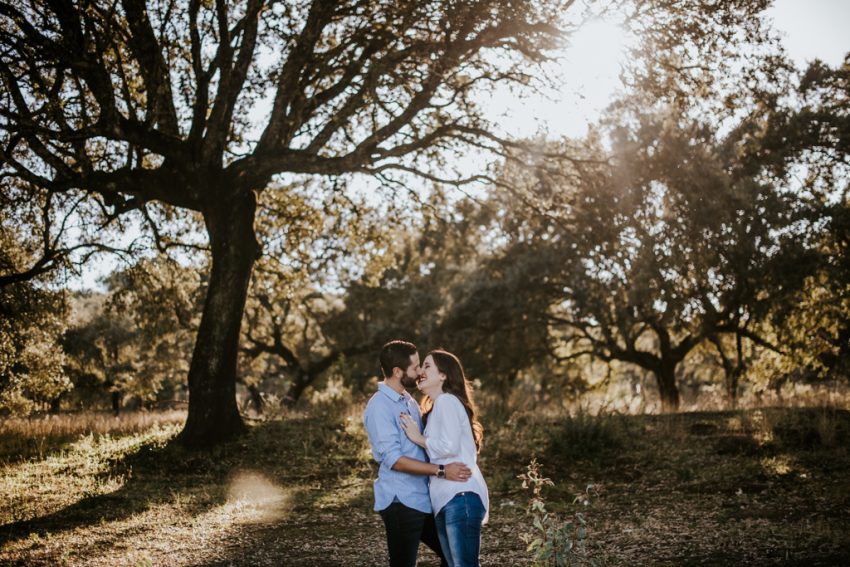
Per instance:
(751,487)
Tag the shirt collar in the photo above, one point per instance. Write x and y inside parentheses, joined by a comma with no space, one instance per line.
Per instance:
(392,394)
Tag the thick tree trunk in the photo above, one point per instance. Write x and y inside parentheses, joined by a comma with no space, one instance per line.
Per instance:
(213,413)
(665,374)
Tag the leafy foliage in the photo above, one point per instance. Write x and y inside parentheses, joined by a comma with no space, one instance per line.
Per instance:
(553,541)
(32,316)
(31,373)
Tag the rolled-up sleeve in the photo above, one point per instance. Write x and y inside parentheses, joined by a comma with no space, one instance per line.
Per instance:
(443,439)
(383,435)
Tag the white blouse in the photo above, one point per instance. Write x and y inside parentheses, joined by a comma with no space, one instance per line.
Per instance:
(448,439)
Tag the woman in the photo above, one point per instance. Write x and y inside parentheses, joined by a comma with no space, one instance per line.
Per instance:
(452,433)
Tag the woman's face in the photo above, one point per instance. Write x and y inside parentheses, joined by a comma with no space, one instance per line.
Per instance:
(431,380)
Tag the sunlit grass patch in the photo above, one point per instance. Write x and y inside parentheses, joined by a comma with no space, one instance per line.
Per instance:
(779,465)
(256,497)
(85,468)
(123,498)
(27,437)
(172,529)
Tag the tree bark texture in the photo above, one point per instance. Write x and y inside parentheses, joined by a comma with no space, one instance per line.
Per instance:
(213,412)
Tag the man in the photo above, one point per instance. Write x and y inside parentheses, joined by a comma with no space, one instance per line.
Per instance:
(401,490)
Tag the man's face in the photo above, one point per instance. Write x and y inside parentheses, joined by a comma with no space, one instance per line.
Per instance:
(408,379)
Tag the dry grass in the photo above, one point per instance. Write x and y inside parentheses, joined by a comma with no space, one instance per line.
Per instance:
(755,487)
(26,437)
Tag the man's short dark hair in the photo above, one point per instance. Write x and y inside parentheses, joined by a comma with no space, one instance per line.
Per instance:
(396,354)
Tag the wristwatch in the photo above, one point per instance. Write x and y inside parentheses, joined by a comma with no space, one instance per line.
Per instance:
(441,471)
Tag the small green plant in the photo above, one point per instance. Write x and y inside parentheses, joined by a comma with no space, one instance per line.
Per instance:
(552,540)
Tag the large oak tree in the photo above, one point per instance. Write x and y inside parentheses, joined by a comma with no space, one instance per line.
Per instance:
(147,106)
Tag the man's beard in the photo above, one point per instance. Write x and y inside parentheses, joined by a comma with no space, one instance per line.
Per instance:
(408,382)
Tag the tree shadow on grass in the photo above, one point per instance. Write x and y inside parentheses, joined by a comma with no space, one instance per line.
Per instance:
(149,483)
(350,535)
(293,452)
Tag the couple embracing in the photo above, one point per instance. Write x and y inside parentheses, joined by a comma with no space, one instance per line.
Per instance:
(429,487)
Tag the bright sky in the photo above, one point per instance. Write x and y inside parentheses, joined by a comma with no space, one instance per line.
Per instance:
(810,29)
(814,29)
(591,65)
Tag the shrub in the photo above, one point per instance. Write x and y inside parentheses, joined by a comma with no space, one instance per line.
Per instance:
(552,540)
(583,435)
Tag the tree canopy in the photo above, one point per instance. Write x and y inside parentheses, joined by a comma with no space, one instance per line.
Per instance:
(236,133)
(146,106)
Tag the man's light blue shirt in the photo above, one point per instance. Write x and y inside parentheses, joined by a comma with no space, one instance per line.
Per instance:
(389,443)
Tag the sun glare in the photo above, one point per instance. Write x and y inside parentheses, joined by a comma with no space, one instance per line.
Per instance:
(587,74)
(591,62)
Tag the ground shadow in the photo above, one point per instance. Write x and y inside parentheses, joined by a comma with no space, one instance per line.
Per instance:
(719,473)
(295,451)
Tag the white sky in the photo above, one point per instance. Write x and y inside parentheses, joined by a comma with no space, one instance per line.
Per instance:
(589,70)
(814,29)
(810,28)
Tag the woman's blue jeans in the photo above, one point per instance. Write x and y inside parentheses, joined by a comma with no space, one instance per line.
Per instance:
(459,529)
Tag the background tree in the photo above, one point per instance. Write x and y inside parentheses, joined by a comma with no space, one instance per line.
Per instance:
(162,300)
(300,283)
(36,259)
(103,359)
(31,375)
(637,260)
(685,250)
(809,136)
(492,316)
(32,315)
(132,342)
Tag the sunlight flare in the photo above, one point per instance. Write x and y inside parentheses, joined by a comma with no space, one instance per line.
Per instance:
(257,498)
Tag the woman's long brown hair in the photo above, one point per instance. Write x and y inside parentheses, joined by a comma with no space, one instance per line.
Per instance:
(457,384)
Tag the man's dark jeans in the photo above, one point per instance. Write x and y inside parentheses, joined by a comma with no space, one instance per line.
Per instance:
(406,527)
